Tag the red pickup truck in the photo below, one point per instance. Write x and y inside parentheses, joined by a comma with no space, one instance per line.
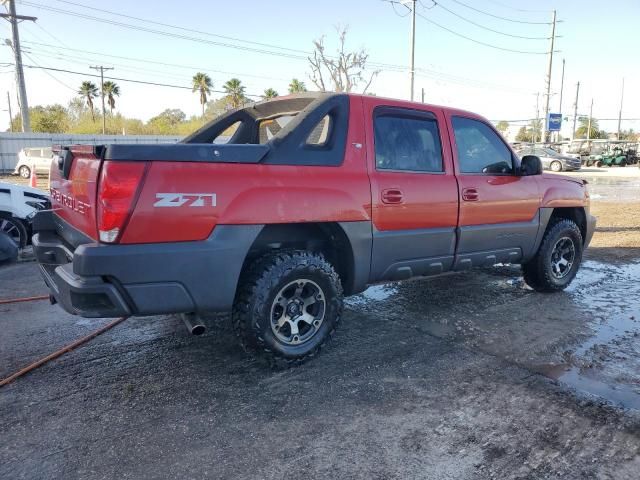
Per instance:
(277,210)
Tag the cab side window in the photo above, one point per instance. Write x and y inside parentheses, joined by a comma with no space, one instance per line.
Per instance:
(480,149)
(407,143)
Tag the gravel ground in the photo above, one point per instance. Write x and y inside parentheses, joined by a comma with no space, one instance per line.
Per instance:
(466,376)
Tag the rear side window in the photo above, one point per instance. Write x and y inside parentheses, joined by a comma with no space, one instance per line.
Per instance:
(480,149)
(269,128)
(319,136)
(227,134)
(407,143)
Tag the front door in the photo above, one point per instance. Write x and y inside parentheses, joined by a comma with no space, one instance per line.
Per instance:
(499,209)
(414,193)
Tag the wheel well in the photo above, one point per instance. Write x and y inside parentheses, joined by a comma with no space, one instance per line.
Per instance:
(327,238)
(575,214)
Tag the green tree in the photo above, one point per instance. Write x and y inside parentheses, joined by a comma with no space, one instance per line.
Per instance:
(502,126)
(218,107)
(76,109)
(629,135)
(88,91)
(49,119)
(235,92)
(45,119)
(166,123)
(202,84)
(269,93)
(531,132)
(111,90)
(595,132)
(296,86)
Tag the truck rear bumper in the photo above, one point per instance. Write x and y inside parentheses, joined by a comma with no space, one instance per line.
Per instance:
(98,280)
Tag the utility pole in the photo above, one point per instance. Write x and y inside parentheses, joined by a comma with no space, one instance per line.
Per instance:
(10,114)
(561,91)
(575,112)
(22,89)
(589,124)
(422,94)
(620,112)
(102,69)
(413,48)
(561,88)
(548,78)
(535,127)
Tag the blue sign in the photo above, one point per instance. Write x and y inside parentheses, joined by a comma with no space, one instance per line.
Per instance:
(554,122)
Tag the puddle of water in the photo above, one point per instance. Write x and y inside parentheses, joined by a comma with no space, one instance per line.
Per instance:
(620,394)
(617,313)
(376,293)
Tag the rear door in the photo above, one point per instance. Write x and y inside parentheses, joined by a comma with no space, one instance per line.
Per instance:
(414,191)
(499,215)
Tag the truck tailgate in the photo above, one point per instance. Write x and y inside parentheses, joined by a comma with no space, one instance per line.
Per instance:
(73,199)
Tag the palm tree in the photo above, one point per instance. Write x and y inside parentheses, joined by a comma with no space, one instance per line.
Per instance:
(202,83)
(296,86)
(111,90)
(235,92)
(595,131)
(89,91)
(269,93)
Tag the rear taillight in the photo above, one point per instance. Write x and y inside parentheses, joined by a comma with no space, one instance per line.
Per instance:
(117,193)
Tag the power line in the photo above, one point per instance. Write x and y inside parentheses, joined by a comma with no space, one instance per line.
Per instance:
(48,73)
(498,16)
(527,52)
(304,54)
(160,32)
(111,12)
(437,4)
(385,66)
(518,9)
(158,84)
(136,59)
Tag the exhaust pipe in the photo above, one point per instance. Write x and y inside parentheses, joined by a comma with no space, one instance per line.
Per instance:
(193,323)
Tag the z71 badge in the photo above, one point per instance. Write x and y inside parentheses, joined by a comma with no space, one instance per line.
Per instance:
(185,200)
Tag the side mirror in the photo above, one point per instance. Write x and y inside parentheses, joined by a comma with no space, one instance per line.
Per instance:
(530,165)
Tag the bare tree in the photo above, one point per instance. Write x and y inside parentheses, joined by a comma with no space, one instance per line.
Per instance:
(342,72)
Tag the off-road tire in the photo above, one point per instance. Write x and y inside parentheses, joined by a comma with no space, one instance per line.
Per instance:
(17,227)
(538,272)
(258,286)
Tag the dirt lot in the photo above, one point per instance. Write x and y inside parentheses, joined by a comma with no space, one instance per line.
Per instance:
(468,376)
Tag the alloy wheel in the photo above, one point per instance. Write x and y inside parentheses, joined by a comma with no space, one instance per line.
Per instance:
(297,311)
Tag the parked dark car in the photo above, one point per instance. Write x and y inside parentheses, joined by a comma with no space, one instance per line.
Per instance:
(552,160)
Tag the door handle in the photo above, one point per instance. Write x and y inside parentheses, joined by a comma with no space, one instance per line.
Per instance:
(392,195)
(470,194)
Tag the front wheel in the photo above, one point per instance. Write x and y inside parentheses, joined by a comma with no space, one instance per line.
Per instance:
(288,305)
(24,171)
(556,167)
(14,229)
(558,259)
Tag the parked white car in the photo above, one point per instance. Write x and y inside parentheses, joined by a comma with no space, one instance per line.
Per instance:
(18,205)
(40,157)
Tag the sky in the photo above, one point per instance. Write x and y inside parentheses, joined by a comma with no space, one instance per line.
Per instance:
(238,39)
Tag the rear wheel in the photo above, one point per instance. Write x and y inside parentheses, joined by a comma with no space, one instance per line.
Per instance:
(14,229)
(558,259)
(556,166)
(24,171)
(599,164)
(288,305)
